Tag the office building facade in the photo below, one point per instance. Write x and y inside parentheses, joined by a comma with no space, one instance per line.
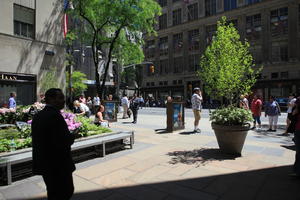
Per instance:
(186,27)
(31,45)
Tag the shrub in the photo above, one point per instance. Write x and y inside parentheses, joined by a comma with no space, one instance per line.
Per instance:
(231,116)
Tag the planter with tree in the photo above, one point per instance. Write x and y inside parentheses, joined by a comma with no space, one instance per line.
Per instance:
(227,71)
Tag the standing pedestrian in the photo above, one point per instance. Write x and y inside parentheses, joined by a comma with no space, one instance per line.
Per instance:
(125,105)
(296,116)
(141,101)
(96,103)
(134,106)
(291,104)
(82,99)
(51,147)
(11,101)
(244,102)
(272,111)
(256,107)
(89,103)
(196,106)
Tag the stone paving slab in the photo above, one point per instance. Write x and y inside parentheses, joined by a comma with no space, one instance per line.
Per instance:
(181,166)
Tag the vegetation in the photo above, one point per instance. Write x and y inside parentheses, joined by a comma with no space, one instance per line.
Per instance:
(49,80)
(231,116)
(78,86)
(114,29)
(227,65)
(88,128)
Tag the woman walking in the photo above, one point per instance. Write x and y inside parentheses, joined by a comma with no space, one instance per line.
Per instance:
(296,117)
(272,111)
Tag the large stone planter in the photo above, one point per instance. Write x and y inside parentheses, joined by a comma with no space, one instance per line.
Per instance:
(231,138)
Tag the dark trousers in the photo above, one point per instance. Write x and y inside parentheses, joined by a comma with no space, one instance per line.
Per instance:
(297,157)
(134,113)
(59,185)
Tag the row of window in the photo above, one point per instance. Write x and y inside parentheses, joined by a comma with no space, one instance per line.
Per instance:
(279,53)
(165,83)
(193,11)
(228,4)
(24,21)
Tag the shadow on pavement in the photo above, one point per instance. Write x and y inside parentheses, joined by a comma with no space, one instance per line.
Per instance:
(263,184)
(188,133)
(291,147)
(199,156)
(161,131)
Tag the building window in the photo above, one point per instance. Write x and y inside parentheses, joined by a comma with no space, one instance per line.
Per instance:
(177,43)
(174,82)
(252,1)
(164,66)
(210,7)
(274,75)
(253,27)
(179,82)
(148,84)
(178,65)
(163,21)
(152,84)
(279,21)
(176,17)
(284,75)
(163,46)
(165,82)
(163,3)
(161,83)
(194,61)
(280,52)
(24,21)
(210,32)
(150,49)
(175,1)
(229,5)
(194,38)
(193,12)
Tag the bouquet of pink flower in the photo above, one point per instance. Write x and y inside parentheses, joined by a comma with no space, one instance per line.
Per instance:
(70,120)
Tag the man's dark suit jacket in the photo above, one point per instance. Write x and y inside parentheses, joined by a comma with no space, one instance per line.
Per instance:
(51,143)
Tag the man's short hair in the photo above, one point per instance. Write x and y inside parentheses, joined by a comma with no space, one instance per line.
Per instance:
(196,89)
(52,93)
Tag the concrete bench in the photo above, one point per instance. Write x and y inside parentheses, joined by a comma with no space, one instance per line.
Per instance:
(7,161)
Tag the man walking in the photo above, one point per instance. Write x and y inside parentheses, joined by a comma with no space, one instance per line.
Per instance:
(196,106)
(51,147)
(134,106)
(256,107)
(125,105)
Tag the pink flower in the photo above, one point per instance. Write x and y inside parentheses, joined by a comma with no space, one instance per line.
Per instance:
(29,122)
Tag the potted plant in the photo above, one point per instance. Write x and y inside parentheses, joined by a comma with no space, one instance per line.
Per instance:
(227,70)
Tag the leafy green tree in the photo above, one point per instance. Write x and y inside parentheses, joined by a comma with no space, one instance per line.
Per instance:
(113,28)
(226,68)
(49,80)
(78,85)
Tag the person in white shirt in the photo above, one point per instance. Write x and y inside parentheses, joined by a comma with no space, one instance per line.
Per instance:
(81,109)
(196,106)
(289,111)
(125,105)
(96,103)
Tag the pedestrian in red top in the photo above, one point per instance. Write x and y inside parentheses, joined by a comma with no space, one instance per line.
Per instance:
(256,107)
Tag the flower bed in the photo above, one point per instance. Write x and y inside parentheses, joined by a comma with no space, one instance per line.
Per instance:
(14,138)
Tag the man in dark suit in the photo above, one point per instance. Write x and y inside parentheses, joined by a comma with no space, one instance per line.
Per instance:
(51,147)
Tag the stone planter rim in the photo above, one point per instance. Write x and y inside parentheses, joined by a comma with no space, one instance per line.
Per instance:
(242,127)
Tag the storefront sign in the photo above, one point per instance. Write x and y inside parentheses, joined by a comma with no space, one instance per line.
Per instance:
(8,77)
(4,76)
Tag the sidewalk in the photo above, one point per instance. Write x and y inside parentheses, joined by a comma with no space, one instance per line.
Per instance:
(178,166)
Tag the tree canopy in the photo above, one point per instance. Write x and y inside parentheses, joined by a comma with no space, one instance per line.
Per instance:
(226,68)
(114,28)
(78,85)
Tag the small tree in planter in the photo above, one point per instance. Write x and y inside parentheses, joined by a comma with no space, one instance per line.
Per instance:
(227,71)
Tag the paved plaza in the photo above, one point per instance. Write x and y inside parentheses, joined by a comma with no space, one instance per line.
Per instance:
(178,166)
